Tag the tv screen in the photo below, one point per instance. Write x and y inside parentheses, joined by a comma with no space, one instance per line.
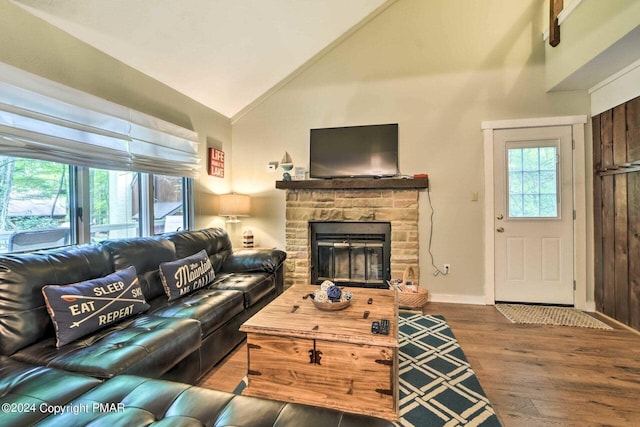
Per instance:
(354,151)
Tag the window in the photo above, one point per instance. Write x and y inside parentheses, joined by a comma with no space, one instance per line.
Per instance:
(34,204)
(37,199)
(533,182)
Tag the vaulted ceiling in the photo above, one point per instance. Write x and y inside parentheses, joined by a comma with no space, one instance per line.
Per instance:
(225,54)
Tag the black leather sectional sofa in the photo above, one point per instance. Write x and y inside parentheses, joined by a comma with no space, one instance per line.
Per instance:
(178,340)
(126,373)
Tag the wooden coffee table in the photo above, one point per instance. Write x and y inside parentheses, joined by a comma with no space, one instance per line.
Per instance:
(298,353)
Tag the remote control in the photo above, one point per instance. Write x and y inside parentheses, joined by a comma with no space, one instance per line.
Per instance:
(384,326)
(375,327)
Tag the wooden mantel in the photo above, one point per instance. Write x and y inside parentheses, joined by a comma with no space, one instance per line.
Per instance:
(355,184)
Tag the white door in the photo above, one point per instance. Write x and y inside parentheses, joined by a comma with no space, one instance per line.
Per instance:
(533,216)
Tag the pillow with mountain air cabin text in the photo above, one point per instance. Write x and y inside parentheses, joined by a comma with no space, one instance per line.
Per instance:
(82,308)
(186,275)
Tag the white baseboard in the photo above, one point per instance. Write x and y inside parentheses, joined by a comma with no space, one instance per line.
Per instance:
(458,299)
(590,307)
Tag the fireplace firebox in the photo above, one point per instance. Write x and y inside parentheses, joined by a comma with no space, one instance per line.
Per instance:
(351,253)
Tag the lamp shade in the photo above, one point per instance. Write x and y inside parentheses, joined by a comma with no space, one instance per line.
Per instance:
(234,205)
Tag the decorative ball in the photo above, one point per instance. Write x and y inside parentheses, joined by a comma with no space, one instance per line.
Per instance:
(320,296)
(334,293)
(326,285)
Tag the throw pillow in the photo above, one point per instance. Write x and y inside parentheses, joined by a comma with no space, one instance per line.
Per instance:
(81,308)
(185,275)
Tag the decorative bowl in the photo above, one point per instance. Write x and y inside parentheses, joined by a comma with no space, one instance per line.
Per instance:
(331,306)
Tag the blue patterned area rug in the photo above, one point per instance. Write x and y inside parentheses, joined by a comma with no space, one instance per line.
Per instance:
(437,385)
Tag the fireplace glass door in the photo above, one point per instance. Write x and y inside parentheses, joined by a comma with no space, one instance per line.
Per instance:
(343,262)
(350,253)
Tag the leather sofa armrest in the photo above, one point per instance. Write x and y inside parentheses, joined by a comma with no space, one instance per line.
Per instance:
(254,260)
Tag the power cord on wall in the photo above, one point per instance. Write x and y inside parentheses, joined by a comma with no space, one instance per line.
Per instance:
(436,270)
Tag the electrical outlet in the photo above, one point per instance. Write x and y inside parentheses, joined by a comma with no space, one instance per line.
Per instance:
(447,268)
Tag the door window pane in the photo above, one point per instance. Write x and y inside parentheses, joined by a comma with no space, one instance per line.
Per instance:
(532,182)
(114,204)
(34,204)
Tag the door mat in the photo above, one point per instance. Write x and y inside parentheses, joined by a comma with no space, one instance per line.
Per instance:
(549,315)
(438,388)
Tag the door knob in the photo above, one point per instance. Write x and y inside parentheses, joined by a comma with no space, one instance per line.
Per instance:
(500,229)
(500,216)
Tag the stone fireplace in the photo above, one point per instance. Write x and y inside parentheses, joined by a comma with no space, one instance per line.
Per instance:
(393,201)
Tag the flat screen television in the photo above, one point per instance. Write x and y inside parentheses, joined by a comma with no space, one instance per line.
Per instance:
(354,151)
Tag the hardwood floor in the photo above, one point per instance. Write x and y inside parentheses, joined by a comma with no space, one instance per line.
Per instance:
(533,375)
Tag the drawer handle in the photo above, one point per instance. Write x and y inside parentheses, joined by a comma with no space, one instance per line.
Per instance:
(253,346)
(256,373)
(384,391)
(384,362)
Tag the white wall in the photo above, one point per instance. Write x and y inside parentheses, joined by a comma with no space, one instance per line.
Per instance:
(438,68)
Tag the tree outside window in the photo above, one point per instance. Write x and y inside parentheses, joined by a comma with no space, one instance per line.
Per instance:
(34,195)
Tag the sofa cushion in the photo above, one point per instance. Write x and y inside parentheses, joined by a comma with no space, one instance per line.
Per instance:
(186,275)
(146,345)
(214,240)
(145,254)
(254,286)
(143,401)
(146,402)
(212,308)
(81,308)
(33,388)
(253,260)
(24,319)
(253,411)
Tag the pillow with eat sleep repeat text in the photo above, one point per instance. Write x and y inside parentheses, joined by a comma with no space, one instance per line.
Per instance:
(81,308)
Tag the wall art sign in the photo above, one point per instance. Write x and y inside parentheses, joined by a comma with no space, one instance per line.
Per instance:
(216,162)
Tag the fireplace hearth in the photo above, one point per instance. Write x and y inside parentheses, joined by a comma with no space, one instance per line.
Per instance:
(351,253)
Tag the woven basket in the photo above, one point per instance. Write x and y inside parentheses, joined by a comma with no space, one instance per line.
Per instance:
(412,300)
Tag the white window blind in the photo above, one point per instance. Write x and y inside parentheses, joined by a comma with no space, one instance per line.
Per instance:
(45,120)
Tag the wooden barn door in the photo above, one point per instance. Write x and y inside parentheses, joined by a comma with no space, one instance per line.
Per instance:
(616,160)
